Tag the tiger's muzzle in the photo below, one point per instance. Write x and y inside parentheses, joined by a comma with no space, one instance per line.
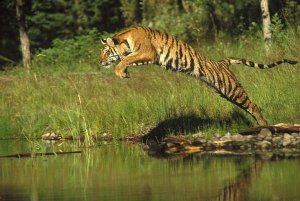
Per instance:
(108,63)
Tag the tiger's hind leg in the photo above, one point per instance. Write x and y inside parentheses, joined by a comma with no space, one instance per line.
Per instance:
(256,113)
(239,97)
(225,83)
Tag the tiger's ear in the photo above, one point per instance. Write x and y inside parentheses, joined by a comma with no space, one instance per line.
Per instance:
(103,41)
(110,42)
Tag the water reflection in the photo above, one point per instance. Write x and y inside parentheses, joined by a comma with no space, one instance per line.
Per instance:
(126,172)
(238,189)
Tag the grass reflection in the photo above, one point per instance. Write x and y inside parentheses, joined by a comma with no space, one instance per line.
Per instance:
(125,172)
(116,172)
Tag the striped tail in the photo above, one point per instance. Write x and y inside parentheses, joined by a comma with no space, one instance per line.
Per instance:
(232,60)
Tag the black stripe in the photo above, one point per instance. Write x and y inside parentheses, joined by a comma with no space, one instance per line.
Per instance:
(245,107)
(176,61)
(222,82)
(239,95)
(180,52)
(116,42)
(154,35)
(279,62)
(114,51)
(212,70)
(200,65)
(191,58)
(185,61)
(167,39)
(271,65)
(161,51)
(192,64)
(244,101)
(233,93)
(151,31)
(261,66)
(244,61)
(139,47)
(169,63)
(162,36)
(291,62)
(126,43)
(177,45)
(229,87)
(172,43)
(167,55)
(251,63)
(216,72)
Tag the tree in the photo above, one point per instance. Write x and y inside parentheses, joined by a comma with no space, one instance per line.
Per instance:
(24,39)
(132,11)
(266,23)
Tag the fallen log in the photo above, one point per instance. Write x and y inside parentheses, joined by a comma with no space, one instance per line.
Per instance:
(278,128)
(31,155)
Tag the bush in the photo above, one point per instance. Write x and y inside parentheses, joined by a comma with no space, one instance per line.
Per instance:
(70,54)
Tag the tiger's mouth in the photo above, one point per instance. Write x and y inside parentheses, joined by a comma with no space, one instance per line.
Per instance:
(109,62)
(106,64)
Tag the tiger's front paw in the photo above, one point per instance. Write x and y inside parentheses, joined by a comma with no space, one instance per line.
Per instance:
(122,73)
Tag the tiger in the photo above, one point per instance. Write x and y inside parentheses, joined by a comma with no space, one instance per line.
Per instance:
(144,45)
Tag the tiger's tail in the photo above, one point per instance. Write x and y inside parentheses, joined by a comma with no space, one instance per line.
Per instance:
(232,60)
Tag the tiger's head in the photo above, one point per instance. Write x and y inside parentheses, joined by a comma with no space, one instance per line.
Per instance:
(110,53)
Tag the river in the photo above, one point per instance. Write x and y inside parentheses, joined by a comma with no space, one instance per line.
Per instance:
(124,171)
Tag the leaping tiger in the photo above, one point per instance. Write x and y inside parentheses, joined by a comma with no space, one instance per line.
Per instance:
(143,45)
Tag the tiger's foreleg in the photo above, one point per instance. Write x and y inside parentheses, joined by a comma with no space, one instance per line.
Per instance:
(134,58)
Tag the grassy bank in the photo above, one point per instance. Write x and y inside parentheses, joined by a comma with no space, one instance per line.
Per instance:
(76,96)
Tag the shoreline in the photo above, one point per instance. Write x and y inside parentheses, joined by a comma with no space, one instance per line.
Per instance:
(281,141)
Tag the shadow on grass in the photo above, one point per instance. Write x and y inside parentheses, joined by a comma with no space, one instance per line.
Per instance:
(193,124)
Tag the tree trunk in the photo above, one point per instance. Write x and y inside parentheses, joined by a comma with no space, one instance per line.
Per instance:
(264,4)
(138,11)
(24,39)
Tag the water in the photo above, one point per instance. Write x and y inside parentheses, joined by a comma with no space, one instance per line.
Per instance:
(126,172)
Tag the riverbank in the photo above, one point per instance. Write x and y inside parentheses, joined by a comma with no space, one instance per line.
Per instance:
(283,140)
(278,141)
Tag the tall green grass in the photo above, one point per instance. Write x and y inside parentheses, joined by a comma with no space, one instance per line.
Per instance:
(75,96)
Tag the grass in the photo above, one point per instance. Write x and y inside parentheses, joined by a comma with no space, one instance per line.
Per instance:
(78,97)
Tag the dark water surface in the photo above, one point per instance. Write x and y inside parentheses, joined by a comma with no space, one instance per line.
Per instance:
(126,172)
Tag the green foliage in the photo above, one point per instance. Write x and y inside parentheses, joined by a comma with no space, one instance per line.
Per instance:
(283,38)
(131,10)
(198,20)
(291,14)
(277,29)
(60,19)
(78,52)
